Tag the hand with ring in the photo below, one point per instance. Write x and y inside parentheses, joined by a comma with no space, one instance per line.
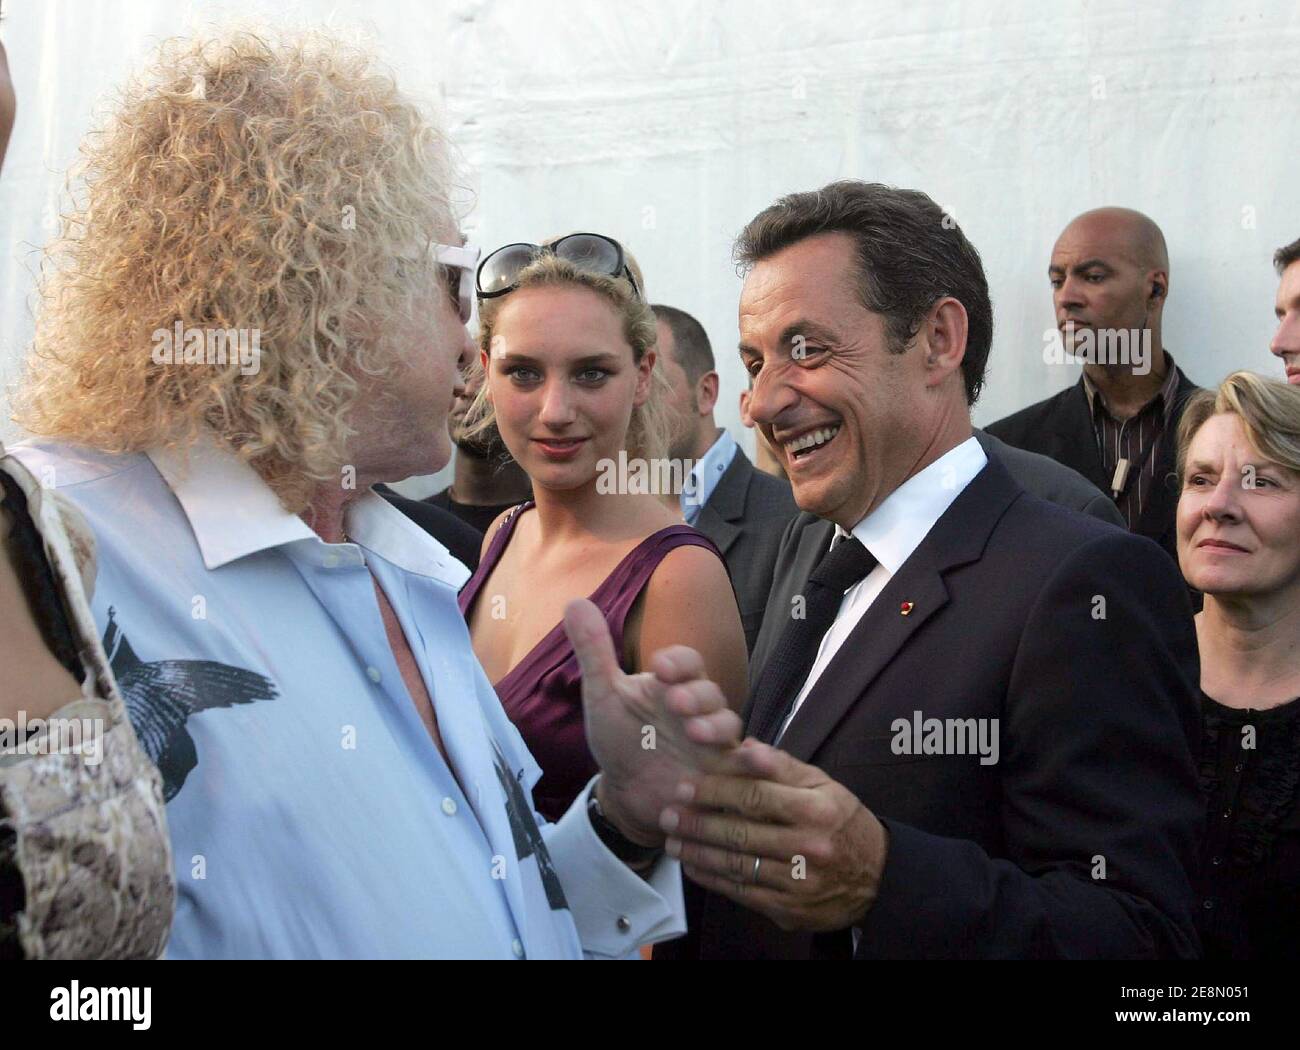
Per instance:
(826,851)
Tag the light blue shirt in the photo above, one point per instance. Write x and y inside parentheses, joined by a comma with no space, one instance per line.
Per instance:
(311,814)
(705,475)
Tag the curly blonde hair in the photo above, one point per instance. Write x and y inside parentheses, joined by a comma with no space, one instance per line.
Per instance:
(647,432)
(283,186)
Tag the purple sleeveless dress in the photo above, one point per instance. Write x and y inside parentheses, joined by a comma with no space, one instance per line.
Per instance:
(542,693)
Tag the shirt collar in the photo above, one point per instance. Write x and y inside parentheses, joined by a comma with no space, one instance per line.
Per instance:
(896,528)
(233,513)
(1167,393)
(706,473)
(375,524)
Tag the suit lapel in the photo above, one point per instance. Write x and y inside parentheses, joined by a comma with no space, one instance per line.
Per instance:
(1074,439)
(721,517)
(874,642)
(722,533)
(958,538)
(1157,516)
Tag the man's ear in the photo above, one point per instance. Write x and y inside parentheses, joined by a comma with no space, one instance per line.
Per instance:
(1158,282)
(706,393)
(645,371)
(942,340)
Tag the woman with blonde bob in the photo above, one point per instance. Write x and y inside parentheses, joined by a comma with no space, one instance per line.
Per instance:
(568,346)
(1238,527)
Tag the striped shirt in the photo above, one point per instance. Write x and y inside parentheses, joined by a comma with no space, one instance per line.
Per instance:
(1136,439)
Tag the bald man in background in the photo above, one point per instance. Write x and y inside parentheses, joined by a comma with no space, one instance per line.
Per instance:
(1109,273)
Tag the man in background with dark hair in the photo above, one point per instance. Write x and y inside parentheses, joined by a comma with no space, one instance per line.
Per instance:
(1286,341)
(742,510)
(486,480)
(1109,273)
(968,762)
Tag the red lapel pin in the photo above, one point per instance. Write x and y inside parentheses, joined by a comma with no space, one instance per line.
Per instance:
(905,608)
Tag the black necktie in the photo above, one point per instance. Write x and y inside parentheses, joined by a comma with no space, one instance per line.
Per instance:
(787,668)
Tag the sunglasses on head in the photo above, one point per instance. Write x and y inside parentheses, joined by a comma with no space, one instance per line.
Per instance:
(593,252)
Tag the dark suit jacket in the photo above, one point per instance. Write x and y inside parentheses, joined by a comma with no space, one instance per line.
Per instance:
(1050,480)
(745,517)
(462,540)
(1095,715)
(1061,427)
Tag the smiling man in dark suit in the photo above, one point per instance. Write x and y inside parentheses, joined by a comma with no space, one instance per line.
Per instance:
(741,509)
(980,702)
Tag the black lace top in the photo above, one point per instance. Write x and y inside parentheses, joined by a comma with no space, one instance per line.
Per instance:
(1250,879)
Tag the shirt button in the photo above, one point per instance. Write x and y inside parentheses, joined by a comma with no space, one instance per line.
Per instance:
(517,947)
(1207,904)
(331,561)
(624,924)
(373,674)
(449,807)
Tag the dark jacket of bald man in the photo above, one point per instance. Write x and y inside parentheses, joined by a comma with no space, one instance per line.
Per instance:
(1050,480)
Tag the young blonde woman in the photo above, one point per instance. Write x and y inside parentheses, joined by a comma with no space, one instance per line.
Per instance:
(567,342)
(1238,530)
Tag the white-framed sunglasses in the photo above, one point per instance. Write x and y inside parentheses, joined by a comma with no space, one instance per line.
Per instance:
(462,257)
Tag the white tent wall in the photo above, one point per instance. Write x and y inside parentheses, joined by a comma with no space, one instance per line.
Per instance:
(669,123)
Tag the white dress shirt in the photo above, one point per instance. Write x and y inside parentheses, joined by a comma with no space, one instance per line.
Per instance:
(892,532)
(310,813)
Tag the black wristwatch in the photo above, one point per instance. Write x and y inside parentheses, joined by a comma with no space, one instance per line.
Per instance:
(629,852)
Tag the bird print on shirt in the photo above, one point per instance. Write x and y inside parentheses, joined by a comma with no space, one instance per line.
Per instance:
(526,833)
(161,695)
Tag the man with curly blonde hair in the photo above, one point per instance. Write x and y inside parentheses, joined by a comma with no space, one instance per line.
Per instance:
(341,779)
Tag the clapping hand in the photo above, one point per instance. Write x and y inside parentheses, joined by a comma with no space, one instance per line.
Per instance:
(647,731)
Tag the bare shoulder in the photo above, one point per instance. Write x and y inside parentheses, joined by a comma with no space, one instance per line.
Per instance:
(689,601)
(34,681)
(689,594)
(688,573)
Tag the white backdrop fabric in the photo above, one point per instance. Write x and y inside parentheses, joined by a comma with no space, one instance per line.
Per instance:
(669,123)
